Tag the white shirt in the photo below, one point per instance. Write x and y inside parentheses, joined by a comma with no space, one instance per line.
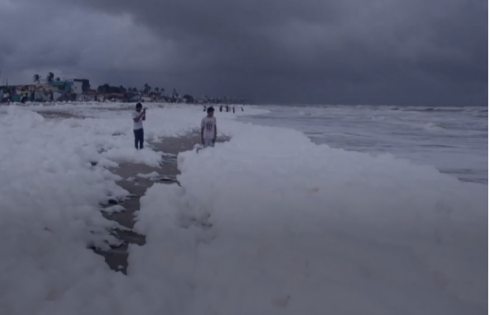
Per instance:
(209,124)
(137,125)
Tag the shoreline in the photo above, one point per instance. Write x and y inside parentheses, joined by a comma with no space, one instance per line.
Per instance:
(117,257)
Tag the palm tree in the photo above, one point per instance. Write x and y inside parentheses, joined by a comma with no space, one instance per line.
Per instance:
(105,88)
(50,77)
(146,88)
(58,79)
(36,78)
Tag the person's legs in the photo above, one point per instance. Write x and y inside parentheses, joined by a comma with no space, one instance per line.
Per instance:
(208,143)
(142,138)
(136,139)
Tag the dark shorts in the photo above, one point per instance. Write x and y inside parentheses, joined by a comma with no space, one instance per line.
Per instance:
(208,143)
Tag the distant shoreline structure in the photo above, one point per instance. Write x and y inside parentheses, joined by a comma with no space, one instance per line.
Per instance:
(79,90)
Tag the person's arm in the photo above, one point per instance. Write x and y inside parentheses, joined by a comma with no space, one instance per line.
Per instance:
(215,130)
(136,119)
(202,131)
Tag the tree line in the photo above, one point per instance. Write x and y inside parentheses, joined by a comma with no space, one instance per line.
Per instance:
(157,93)
(50,77)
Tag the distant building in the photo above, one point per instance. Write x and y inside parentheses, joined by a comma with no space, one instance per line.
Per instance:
(85,84)
(61,87)
(77,87)
(85,98)
(66,90)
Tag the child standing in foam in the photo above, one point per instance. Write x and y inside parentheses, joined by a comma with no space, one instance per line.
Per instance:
(138,116)
(209,129)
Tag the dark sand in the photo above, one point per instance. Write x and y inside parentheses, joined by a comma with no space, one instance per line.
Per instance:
(117,258)
(58,114)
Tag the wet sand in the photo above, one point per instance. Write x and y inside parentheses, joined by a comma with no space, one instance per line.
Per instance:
(117,258)
(58,114)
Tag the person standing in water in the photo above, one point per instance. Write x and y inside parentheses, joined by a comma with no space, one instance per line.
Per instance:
(138,116)
(209,130)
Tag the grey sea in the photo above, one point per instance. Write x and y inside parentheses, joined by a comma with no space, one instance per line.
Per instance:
(452,139)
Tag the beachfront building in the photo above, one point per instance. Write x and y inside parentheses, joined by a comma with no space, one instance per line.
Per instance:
(42,93)
(77,87)
(51,91)
(85,98)
(88,96)
(82,85)
(25,93)
(67,90)
(61,87)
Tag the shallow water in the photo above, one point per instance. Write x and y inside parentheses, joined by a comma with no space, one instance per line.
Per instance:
(453,139)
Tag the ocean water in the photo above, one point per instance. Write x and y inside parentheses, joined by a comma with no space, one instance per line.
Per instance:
(452,139)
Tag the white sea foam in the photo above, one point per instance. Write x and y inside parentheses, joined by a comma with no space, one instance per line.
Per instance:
(299,228)
(268,223)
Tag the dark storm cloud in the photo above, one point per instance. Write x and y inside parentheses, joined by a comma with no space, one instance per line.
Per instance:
(382,51)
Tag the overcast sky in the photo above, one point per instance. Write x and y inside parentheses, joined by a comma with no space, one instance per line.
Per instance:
(418,52)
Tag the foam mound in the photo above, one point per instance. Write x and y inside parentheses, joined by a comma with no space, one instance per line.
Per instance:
(271,223)
(267,223)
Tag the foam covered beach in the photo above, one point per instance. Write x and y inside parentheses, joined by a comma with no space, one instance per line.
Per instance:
(296,227)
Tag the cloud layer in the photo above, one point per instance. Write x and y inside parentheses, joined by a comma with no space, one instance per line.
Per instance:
(309,51)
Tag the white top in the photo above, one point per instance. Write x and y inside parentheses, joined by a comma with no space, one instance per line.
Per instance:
(137,125)
(209,124)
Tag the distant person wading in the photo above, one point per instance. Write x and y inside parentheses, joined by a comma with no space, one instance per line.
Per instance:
(139,116)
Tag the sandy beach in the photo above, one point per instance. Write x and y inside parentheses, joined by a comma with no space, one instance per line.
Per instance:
(117,257)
